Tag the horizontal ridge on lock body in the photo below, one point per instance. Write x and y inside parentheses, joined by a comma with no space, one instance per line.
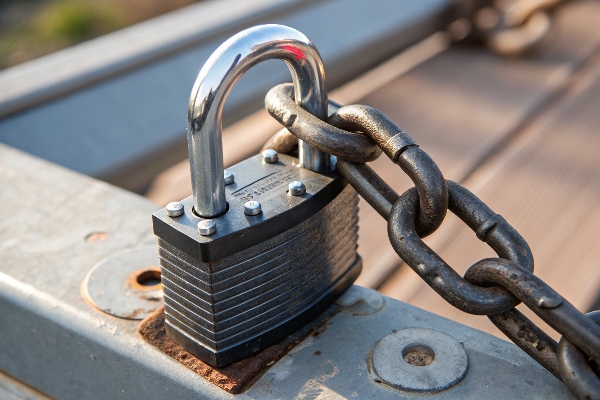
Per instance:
(258,277)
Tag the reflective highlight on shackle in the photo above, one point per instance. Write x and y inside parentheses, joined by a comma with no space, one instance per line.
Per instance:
(214,83)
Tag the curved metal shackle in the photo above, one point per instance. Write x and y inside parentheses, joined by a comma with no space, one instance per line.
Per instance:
(216,80)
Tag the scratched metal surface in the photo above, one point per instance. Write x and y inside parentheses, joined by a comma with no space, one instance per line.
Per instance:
(53,340)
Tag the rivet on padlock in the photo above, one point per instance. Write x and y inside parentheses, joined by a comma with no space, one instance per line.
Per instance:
(270,156)
(296,188)
(275,260)
(228,177)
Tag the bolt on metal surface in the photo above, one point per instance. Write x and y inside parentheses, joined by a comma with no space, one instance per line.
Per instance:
(270,156)
(228,177)
(174,209)
(207,227)
(296,188)
(418,360)
(252,207)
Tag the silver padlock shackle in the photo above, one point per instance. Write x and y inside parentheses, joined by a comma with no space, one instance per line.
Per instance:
(214,83)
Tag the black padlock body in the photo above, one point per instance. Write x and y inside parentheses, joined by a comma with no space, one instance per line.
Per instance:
(258,278)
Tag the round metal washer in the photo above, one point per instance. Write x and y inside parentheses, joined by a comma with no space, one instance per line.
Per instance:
(387,365)
(118,285)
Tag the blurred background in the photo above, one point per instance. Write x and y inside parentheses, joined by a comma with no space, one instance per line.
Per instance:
(33,28)
(503,96)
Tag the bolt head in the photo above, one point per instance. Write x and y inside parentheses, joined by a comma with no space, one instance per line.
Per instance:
(207,227)
(270,156)
(174,209)
(296,188)
(228,177)
(252,207)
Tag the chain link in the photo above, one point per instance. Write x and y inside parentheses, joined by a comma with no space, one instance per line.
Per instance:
(493,286)
(436,272)
(380,134)
(577,372)
(529,337)
(350,146)
(518,29)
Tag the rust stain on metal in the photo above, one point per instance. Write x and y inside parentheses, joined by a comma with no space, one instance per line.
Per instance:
(138,280)
(239,376)
(136,313)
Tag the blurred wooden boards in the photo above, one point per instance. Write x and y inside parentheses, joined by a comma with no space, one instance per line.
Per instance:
(521,135)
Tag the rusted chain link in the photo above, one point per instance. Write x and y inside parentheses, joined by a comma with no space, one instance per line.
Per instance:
(489,227)
(529,337)
(541,299)
(351,146)
(402,150)
(375,127)
(370,186)
(491,286)
(579,376)
(285,142)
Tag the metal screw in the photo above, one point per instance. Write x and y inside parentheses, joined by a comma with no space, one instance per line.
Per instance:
(207,227)
(270,156)
(228,176)
(252,207)
(174,209)
(297,188)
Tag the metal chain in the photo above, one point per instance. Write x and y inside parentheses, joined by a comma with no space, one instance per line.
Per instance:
(493,286)
(518,29)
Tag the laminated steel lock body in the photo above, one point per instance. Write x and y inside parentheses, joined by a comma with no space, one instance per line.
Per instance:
(257,278)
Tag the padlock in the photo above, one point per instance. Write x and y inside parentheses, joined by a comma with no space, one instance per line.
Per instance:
(262,248)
